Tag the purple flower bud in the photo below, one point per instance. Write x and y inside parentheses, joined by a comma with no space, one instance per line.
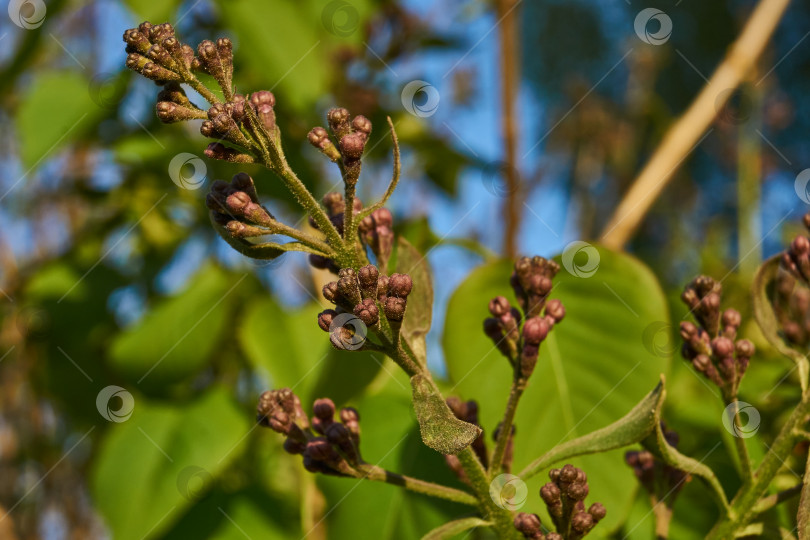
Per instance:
(292,446)
(597,511)
(319,449)
(368,277)
(325,318)
(582,522)
(330,292)
(351,146)
(367,311)
(338,119)
(400,285)
(324,408)
(362,126)
(261,97)
(528,524)
(394,308)
(555,309)
(535,330)
(722,347)
(499,306)
(550,493)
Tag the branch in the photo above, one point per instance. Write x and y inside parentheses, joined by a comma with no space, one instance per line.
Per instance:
(683,136)
(378,474)
(507,17)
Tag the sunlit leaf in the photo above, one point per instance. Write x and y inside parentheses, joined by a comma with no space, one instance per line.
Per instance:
(177,336)
(151,467)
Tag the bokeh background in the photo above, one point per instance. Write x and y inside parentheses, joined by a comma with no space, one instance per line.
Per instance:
(112,276)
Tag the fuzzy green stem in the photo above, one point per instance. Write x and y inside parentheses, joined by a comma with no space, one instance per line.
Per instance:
(505,428)
(349,232)
(742,506)
(343,257)
(766,503)
(276,227)
(502,520)
(747,469)
(203,90)
(378,474)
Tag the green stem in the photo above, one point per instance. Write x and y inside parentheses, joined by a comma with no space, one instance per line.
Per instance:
(203,90)
(742,511)
(343,257)
(766,503)
(747,469)
(378,474)
(502,520)
(349,233)
(505,428)
(276,227)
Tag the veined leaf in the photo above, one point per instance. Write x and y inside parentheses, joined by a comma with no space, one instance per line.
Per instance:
(632,428)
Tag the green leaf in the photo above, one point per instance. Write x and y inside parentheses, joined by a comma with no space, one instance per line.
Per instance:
(390,440)
(288,345)
(177,336)
(296,70)
(55,110)
(419,314)
(244,519)
(285,344)
(157,12)
(596,365)
(632,428)
(149,467)
(673,457)
(768,323)
(440,429)
(452,528)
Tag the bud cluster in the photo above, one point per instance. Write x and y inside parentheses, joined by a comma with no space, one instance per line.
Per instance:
(468,412)
(712,346)
(376,230)
(156,53)
(565,501)
(366,293)
(532,282)
(792,307)
(327,445)
(347,142)
(796,259)
(235,206)
(662,481)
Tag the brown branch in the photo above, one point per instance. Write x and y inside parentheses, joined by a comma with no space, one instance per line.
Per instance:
(510,56)
(683,136)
